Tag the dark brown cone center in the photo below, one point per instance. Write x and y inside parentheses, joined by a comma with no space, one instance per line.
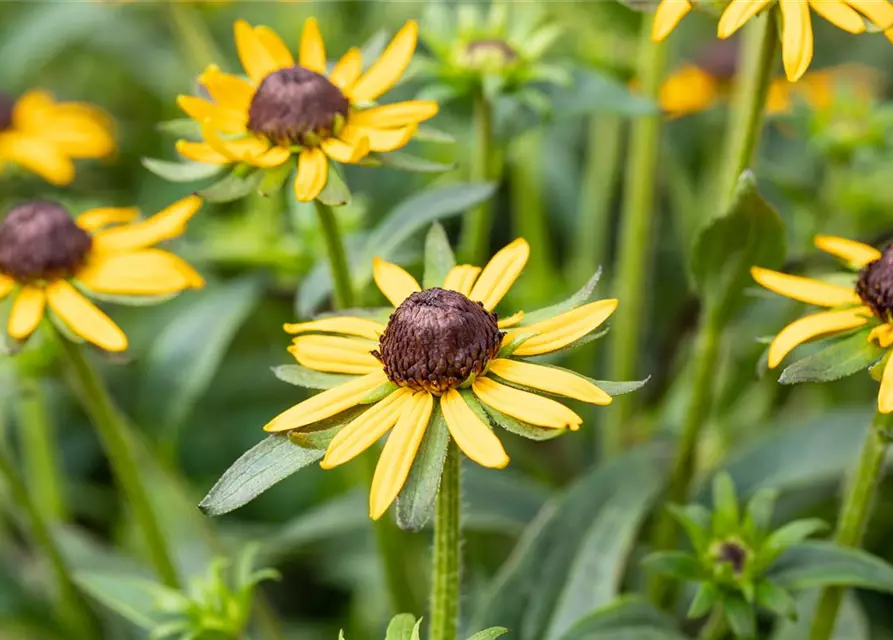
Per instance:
(40,241)
(875,285)
(489,53)
(6,106)
(438,339)
(734,554)
(296,106)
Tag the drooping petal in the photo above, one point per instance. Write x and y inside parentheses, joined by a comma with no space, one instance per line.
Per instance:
(343,152)
(809,327)
(500,274)
(737,13)
(256,60)
(348,325)
(164,225)
(96,219)
(38,156)
(365,430)
(221,118)
(564,329)
(543,412)
(885,395)
(387,70)
(840,14)
(27,310)
(796,38)
(84,318)
(275,47)
(822,294)
(880,12)
(381,140)
(7,284)
(667,17)
(201,152)
(393,281)
(474,437)
(334,354)
(348,69)
(461,278)
(312,54)
(549,379)
(313,173)
(146,272)
(854,252)
(394,115)
(226,89)
(399,453)
(328,403)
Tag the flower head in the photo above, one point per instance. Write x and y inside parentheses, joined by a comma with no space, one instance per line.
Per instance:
(44,136)
(48,258)
(443,351)
(285,108)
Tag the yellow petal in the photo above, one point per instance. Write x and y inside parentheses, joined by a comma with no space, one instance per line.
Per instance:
(854,252)
(275,47)
(96,219)
(140,273)
(474,437)
(7,284)
(885,395)
(79,136)
(880,12)
(381,140)
(688,90)
(348,69)
(840,14)
(83,318)
(667,16)
(168,223)
(365,430)
(32,110)
(511,321)
(328,403)
(806,290)
(313,50)
(500,274)
(393,281)
(221,118)
(313,173)
(346,153)
(27,310)
(201,152)
(362,327)
(386,71)
(227,90)
(737,13)
(399,114)
(244,149)
(882,334)
(549,379)
(809,327)
(796,38)
(461,278)
(399,453)
(530,408)
(335,354)
(256,60)
(37,156)
(564,329)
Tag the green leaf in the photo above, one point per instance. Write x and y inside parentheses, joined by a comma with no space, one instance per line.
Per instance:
(776,599)
(401,627)
(727,246)
(403,161)
(133,598)
(726,514)
(185,128)
(336,193)
(523,429)
(580,297)
(789,535)
(705,597)
(677,564)
(852,623)
(181,171)
(308,378)
(489,634)
(740,616)
(415,504)
(439,258)
(843,358)
(500,501)
(627,618)
(427,133)
(233,187)
(592,91)
(820,564)
(758,515)
(513,345)
(267,463)
(695,519)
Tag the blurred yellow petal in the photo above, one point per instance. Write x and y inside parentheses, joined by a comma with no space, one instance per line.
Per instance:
(779,99)
(395,115)
(473,436)
(393,281)
(226,89)
(7,284)
(201,152)
(399,453)
(243,149)
(164,225)
(340,151)
(378,139)
(221,118)
(364,431)
(255,59)
(27,310)
(882,335)
(312,54)
(37,156)
(840,14)
(272,157)
(32,110)
(500,274)
(549,379)
(96,219)
(139,273)
(335,354)
(806,290)
(348,69)
(328,403)
(564,329)
(688,90)
(809,327)
(885,395)
(83,318)
(387,70)
(530,408)
(737,13)
(313,173)
(667,16)
(79,137)
(796,38)
(880,12)
(275,47)
(511,321)
(362,327)
(461,278)
(854,252)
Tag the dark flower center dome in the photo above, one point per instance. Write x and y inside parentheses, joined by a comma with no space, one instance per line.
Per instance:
(875,285)
(296,106)
(6,106)
(733,554)
(436,340)
(488,53)
(40,241)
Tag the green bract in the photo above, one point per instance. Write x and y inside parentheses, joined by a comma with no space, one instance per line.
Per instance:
(406,627)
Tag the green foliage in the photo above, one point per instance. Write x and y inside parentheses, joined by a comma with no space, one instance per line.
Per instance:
(843,358)
(406,627)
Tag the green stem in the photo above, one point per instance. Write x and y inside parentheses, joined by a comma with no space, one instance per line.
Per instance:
(119,445)
(337,256)
(633,259)
(478,221)
(445,582)
(854,516)
(195,39)
(716,627)
(72,609)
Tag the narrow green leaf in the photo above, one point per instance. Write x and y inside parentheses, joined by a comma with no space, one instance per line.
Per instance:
(513,345)
(790,534)
(843,358)
(427,133)
(489,634)
(308,378)
(776,599)
(185,128)
(677,564)
(726,514)
(181,171)
(336,193)
(821,564)
(439,258)
(400,627)
(579,298)
(758,515)
(740,617)
(403,161)
(626,618)
(705,597)
(695,520)
(415,504)
(233,187)
(133,598)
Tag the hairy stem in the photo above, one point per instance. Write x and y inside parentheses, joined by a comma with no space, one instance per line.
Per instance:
(447,549)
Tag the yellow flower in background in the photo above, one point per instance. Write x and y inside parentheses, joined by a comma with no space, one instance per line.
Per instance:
(867,304)
(44,136)
(441,351)
(48,260)
(284,108)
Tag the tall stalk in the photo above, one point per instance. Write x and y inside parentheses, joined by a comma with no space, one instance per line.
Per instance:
(447,549)
(478,222)
(343,285)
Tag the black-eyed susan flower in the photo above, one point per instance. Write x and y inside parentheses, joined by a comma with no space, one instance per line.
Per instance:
(284,109)
(49,261)
(43,136)
(866,306)
(443,352)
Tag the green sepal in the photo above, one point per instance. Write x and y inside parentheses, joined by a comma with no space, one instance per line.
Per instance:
(705,598)
(695,520)
(508,348)
(489,634)
(758,514)
(776,599)
(439,257)
(308,378)
(379,393)
(274,179)
(843,358)
(184,128)
(406,162)
(403,627)
(491,416)
(577,299)
(416,502)
(678,564)
(740,616)
(336,192)
(787,536)
(876,371)
(181,171)
(726,513)
(240,182)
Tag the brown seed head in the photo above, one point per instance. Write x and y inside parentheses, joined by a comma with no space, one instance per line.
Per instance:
(875,285)
(436,340)
(488,53)
(296,106)
(6,106)
(40,241)
(732,553)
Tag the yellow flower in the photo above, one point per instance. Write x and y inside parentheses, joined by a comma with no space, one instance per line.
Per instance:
(442,350)
(869,304)
(47,259)
(43,136)
(285,108)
